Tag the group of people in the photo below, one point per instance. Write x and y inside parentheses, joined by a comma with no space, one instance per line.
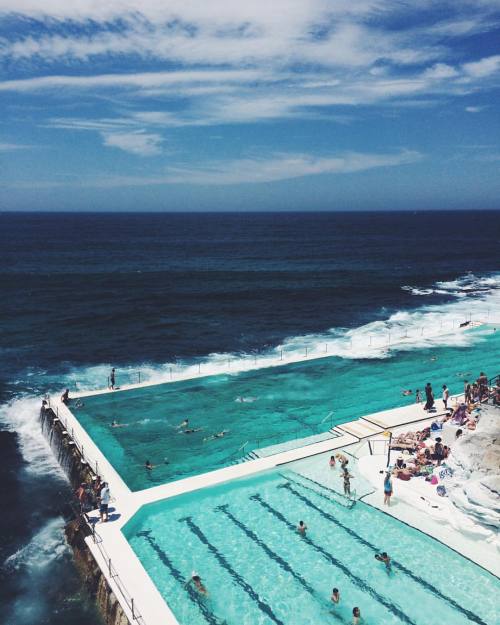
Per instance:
(344,471)
(474,393)
(89,496)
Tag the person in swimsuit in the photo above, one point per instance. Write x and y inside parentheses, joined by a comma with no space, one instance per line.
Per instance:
(335,598)
(383,557)
(184,424)
(333,462)
(418,396)
(198,584)
(387,488)
(347,481)
(302,528)
(65,396)
(148,465)
(356,616)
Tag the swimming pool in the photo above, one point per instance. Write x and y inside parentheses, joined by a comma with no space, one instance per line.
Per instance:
(241,538)
(279,403)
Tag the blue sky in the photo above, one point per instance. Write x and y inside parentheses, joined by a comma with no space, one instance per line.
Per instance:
(227,105)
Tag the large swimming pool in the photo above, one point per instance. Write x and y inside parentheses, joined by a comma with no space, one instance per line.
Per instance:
(262,407)
(241,538)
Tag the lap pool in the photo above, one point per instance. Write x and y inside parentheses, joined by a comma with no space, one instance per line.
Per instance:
(241,538)
(279,404)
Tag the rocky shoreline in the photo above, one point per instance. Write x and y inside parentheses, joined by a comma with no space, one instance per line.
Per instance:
(76,530)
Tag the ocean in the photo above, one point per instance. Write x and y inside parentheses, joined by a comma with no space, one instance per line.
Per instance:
(83,292)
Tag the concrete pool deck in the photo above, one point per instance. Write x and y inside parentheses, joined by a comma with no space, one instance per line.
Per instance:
(127,575)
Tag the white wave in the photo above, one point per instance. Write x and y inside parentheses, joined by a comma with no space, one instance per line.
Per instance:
(424,327)
(47,545)
(464,286)
(21,415)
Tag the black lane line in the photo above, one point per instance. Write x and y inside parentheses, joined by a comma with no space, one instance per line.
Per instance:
(234,574)
(274,556)
(427,585)
(322,495)
(193,594)
(328,556)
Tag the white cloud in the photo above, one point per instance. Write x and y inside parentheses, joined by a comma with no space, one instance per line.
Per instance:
(137,142)
(138,80)
(282,166)
(474,109)
(484,67)
(10,147)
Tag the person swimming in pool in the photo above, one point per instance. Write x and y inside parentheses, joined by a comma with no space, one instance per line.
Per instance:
(148,465)
(383,557)
(197,583)
(115,424)
(356,616)
(191,430)
(302,528)
(183,425)
(407,392)
(217,435)
(335,598)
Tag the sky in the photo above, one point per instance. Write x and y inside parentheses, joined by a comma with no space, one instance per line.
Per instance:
(181,105)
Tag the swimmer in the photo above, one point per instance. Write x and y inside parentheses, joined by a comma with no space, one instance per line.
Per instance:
(356,616)
(383,557)
(332,462)
(79,404)
(302,528)
(191,431)
(115,424)
(217,435)
(184,424)
(433,358)
(245,400)
(335,598)
(407,392)
(198,584)
(149,466)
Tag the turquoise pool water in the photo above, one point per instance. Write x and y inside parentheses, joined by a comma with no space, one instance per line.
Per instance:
(282,403)
(241,539)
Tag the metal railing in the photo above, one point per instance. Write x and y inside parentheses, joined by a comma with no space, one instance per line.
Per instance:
(113,573)
(392,337)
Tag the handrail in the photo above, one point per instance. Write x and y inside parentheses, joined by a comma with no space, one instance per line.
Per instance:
(113,573)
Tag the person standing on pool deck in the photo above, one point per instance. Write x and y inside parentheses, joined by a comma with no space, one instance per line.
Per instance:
(333,462)
(418,396)
(104,498)
(387,488)
(335,598)
(429,397)
(112,379)
(446,396)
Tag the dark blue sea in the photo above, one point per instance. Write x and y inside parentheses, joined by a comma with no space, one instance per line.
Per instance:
(83,292)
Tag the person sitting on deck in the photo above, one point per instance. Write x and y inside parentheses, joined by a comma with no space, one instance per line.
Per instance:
(65,396)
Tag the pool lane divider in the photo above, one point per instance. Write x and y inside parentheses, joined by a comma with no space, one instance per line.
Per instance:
(176,574)
(427,585)
(344,501)
(274,556)
(264,607)
(333,560)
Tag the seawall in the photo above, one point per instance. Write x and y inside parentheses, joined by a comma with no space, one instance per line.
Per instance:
(76,530)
